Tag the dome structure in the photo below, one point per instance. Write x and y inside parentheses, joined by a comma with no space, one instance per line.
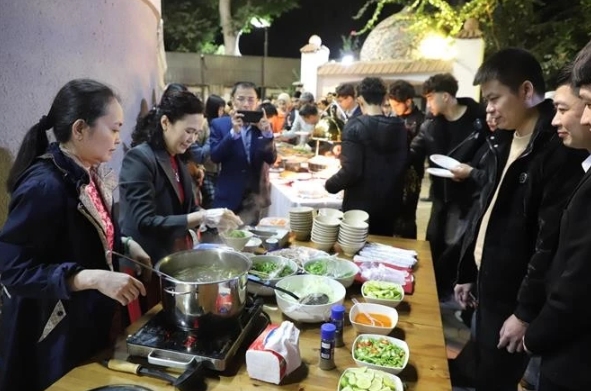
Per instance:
(391,39)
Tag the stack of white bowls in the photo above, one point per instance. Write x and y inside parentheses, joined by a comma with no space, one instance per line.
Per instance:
(353,231)
(300,221)
(325,231)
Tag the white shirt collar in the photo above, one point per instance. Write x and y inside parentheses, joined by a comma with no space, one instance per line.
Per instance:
(586,163)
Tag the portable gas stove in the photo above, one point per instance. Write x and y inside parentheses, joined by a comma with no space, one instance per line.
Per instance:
(169,346)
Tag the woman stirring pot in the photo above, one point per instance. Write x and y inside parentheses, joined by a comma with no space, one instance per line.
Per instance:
(61,290)
(157,203)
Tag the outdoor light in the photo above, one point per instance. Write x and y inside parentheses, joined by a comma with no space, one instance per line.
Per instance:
(262,23)
(436,47)
(347,59)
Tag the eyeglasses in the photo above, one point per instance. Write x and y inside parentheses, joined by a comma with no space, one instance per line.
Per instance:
(248,99)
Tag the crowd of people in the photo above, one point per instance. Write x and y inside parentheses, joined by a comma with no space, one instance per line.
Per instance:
(506,232)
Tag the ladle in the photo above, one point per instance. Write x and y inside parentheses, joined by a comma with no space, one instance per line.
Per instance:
(309,299)
(158,272)
(374,321)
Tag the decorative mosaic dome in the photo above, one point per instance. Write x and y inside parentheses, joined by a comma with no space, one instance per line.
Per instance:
(390,40)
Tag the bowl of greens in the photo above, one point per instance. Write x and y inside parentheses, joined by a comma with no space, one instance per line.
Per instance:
(270,269)
(342,270)
(382,292)
(365,378)
(380,352)
(236,238)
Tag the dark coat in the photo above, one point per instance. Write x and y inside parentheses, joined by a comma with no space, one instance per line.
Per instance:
(406,223)
(522,231)
(49,235)
(373,159)
(561,333)
(238,177)
(452,201)
(150,207)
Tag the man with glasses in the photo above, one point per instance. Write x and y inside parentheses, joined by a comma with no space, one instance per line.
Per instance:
(245,151)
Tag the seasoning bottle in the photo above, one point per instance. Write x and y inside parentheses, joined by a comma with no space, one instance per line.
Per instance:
(337,317)
(327,332)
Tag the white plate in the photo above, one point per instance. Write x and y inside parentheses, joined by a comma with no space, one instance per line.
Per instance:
(444,161)
(441,172)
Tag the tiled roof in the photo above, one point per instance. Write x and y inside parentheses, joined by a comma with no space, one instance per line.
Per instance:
(389,67)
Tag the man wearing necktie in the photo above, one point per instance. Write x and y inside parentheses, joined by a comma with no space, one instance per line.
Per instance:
(245,151)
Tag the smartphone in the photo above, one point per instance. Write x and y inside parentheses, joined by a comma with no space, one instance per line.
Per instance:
(251,117)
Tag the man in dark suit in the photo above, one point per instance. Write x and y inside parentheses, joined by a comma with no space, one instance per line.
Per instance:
(245,151)
(561,333)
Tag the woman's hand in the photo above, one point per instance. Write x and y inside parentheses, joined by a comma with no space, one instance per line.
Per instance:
(121,287)
(118,286)
(137,252)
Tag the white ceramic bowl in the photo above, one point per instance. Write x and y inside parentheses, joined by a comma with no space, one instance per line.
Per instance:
(260,290)
(371,308)
(302,285)
(330,212)
(371,373)
(350,249)
(253,244)
(328,222)
(236,243)
(395,341)
(356,214)
(342,267)
(388,302)
(322,245)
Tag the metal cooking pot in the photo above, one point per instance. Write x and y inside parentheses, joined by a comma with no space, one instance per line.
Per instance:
(211,297)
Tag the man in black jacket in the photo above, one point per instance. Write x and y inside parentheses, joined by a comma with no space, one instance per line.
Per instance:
(561,334)
(515,229)
(457,128)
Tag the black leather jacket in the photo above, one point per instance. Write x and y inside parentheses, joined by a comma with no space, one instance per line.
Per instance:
(522,231)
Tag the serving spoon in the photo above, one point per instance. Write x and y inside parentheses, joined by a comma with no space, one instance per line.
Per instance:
(374,321)
(309,299)
(158,272)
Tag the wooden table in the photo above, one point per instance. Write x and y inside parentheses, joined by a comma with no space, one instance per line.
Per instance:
(419,325)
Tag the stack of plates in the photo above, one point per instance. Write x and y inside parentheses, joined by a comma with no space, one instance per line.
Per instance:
(325,231)
(352,236)
(300,221)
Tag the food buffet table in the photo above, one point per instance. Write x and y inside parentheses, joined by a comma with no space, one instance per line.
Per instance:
(284,196)
(419,325)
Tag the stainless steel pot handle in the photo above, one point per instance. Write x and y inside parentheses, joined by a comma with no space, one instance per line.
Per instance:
(169,362)
(175,293)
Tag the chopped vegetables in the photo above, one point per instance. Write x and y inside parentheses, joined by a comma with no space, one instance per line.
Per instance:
(358,379)
(236,234)
(379,351)
(319,267)
(383,290)
(269,267)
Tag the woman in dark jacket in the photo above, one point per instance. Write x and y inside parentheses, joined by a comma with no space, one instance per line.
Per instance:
(61,290)
(373,159)
(157,202)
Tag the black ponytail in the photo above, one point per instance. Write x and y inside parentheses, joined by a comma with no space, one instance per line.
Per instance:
(34,144)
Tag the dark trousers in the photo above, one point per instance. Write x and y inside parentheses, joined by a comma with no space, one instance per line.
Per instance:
(496,369)
(546,384)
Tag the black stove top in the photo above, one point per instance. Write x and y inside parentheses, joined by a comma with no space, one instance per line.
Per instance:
(213,345)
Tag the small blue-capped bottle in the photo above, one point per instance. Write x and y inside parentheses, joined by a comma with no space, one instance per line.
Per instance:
(327,334)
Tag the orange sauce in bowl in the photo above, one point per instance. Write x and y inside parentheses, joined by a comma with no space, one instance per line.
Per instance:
(362,319)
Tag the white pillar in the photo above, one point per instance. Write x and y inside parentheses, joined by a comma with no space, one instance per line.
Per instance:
(469,57)
(314,54)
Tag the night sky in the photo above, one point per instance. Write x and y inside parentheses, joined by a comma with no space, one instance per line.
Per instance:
(327,18)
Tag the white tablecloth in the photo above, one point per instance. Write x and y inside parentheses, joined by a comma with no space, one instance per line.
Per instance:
(284,197)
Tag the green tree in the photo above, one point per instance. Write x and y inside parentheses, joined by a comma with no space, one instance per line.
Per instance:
(188,26)
(192,25)
(235,16)
(552,31)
